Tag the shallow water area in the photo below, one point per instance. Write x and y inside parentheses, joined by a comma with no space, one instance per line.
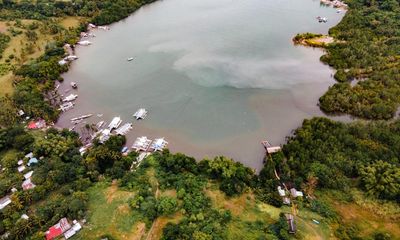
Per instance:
(217,77)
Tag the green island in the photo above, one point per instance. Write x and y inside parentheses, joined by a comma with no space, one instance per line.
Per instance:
(348,174)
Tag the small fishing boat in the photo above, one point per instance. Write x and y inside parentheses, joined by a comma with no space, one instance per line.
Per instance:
(99,124)
(81,117)
(105,135)
(129,59)
(124,149)
(322,19)
(66,106)
(70,97)
(74,85)
(84,43)
(140,114)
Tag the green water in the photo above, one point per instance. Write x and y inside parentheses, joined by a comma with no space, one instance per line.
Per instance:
(216,76)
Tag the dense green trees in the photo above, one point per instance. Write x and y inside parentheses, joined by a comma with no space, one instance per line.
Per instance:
(335,153)
(381,179)
(368,47)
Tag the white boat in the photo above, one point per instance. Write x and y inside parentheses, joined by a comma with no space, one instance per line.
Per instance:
(103,27)
(141,144)
(84,43)
(322,19)
(158,145)
(124,129)
(140,114)
(115,123)
(74,85)
(105,135)
(66,106)
(99,124)
(70,97)
(129,59)
(81,117)
(70,58)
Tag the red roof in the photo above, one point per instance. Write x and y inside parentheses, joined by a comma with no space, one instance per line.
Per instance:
(53,232)
(32,125)
(58,229)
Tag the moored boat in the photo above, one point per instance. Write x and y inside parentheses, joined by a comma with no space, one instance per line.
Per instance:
(140,114)
(70,97)
(115,123)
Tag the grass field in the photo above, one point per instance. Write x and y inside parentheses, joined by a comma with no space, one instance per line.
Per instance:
(73,22)
(6,86)
(367,214)
(250,217)
(109,213)
(18,45)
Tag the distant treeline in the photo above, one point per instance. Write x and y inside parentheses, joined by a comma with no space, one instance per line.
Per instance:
(369,51)
(101,12)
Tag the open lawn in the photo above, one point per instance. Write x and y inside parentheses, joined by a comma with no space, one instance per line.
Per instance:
(250,217)
(70,22)
(109,213)
(3,27)
(6,86)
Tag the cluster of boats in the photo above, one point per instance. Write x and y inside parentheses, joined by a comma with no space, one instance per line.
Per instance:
(147,145)
(142,144)
(68,100)
(114,126)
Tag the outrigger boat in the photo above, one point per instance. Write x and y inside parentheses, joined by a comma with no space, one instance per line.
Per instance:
(124,129)
(115,123)
(66,106)
(70,98)
(81,117)
(99,124)
(140,114)
(158,145)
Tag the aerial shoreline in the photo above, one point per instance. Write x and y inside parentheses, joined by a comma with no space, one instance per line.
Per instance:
(201,144)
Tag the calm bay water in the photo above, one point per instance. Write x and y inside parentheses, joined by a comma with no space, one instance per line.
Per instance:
(217,77)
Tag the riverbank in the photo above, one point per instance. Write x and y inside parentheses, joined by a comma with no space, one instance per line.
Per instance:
(313,40)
